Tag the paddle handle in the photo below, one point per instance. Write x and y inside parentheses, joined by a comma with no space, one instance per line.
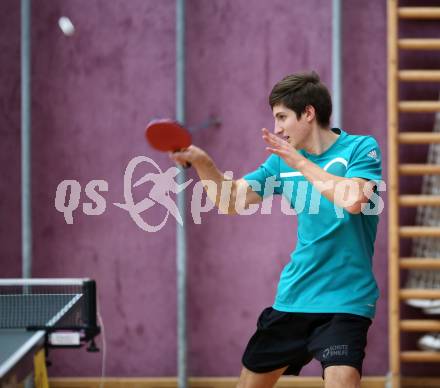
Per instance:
(186,165)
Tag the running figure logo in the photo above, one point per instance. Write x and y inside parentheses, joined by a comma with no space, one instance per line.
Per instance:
(164,183)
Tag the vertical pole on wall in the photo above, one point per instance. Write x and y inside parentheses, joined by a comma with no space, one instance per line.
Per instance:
(337,63)
(26,209)
(181,229)
(26,214)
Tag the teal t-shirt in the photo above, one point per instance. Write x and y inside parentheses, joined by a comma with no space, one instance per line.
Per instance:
(330,269)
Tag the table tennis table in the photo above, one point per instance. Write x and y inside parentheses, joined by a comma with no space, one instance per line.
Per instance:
(17,351)
(33,310)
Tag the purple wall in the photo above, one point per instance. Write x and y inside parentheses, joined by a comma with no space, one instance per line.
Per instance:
(10,232)
(93,94)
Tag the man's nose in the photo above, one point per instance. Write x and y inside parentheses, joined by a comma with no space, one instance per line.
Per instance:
(277,129)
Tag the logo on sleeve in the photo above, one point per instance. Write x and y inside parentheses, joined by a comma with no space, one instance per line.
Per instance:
(373,155)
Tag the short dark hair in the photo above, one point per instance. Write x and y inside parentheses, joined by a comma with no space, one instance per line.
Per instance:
(296,91)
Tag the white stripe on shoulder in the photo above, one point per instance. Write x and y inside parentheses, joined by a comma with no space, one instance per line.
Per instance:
(289,174)
(326,167)
(336,160)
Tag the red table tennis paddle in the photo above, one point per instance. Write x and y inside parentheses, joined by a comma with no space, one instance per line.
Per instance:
(167,135)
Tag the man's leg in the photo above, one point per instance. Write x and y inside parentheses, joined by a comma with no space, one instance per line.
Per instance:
(336,376)
(249,379)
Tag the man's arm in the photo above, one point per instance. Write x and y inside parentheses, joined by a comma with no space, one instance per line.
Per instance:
(239,191)
(350,194)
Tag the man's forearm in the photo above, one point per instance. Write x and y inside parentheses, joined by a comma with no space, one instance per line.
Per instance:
(219,189)
(344,192)
(347,193)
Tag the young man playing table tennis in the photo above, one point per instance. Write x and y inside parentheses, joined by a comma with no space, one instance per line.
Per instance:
(327,292)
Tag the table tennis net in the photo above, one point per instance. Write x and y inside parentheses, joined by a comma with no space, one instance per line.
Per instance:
(48,306)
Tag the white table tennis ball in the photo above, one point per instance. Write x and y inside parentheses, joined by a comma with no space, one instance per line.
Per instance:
(66,26)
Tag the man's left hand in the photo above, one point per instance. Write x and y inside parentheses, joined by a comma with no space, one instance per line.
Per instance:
(282,148)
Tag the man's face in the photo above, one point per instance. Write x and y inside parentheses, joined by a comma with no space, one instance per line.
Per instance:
(289,128)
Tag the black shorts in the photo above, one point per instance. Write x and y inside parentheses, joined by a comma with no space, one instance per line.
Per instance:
(294,339)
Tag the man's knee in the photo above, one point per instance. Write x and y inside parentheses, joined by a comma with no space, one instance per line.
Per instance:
(249,379)
(342,376)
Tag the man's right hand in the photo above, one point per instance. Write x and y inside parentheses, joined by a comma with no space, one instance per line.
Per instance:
(192,155)
(207,171)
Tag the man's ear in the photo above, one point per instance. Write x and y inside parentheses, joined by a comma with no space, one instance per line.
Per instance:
(310,113)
